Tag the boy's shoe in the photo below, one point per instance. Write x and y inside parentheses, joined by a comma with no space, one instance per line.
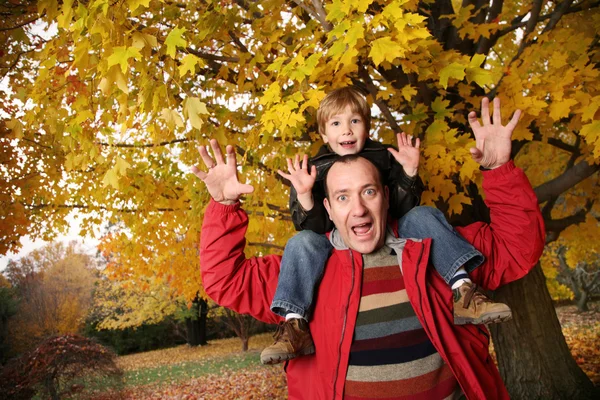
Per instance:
(473,307)
(292,339)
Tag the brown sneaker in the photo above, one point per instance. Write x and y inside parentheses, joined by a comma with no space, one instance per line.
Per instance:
(292,339)
(473,307)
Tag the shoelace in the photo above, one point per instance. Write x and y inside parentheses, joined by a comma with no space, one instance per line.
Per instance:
(474,294)
(285,327)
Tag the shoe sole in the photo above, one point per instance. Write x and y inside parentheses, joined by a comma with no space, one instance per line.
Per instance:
(279,358)
(492,318)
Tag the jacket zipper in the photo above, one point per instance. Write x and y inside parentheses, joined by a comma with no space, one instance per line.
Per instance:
(426,328)
(337,369)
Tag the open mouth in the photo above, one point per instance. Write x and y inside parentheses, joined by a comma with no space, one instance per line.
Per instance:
(362,229)
(348,144)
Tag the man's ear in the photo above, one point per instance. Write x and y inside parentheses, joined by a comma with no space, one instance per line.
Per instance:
(327,206)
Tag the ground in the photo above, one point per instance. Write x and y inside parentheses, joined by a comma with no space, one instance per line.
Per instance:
(221,371)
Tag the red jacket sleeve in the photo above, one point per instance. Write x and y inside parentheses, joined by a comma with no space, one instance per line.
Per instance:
(514,240)
(246,286)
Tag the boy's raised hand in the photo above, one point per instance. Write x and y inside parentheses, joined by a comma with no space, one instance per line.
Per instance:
(407,155)
(302,180)
(492,140)
(221,178)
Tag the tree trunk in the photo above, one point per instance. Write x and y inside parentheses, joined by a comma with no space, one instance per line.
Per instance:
(245,341)
(202,317)
(533,357)
(196,326)
(582,301)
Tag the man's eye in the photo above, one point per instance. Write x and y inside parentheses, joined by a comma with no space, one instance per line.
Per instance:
(342,198)
(370,192)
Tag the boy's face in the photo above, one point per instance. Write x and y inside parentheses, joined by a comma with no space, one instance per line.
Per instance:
(346,132)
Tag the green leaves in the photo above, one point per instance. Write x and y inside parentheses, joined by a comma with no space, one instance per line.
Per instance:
(174,40)
(454,70)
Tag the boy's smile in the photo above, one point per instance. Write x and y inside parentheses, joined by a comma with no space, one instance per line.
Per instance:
(346,133)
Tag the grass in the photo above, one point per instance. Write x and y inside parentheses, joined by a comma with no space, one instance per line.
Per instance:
(187,370)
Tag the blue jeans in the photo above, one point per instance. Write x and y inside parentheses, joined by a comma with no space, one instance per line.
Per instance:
(307,252)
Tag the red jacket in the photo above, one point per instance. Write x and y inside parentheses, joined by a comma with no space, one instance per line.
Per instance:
(512,244)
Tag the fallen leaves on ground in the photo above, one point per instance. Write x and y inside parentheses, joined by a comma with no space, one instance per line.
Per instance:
(582,333)
(254,383)
(185,353)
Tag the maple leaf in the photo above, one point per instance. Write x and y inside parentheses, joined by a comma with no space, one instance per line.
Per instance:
(454,70)
(121,56)
(175,39)
(385,49)
(560,109)
(188,64)
(193,108)
(456,202)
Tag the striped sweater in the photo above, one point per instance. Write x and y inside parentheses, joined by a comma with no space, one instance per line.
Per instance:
(391,356)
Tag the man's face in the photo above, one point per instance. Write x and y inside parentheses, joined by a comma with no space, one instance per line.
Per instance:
(346,132)
(357,204)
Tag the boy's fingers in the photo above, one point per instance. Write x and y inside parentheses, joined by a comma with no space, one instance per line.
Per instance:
(417,143)
(297,162)
(305,162)
(283,174)
(289,163)
(313,171)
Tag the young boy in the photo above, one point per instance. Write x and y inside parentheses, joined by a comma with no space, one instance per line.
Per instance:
(344,118)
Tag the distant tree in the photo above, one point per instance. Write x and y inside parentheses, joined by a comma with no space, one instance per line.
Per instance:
(242,325)
(52,368)
(54,285)
(8,308)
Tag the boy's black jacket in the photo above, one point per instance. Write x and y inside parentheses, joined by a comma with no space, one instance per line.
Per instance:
(405,192)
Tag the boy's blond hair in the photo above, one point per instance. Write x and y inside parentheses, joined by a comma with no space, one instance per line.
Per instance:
(335,102)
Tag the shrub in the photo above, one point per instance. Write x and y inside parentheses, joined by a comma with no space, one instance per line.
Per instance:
(58,367)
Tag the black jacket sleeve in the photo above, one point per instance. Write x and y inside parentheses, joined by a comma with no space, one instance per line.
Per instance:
(405,192)
(316,219)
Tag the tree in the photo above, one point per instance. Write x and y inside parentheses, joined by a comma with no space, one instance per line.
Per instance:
(54,286)
(242,325)
(8,308)
(111,106)
(55,364)
(576,263)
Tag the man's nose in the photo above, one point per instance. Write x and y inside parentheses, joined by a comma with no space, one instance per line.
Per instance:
(358,208)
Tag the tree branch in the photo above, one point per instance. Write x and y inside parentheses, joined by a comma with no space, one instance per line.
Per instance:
(370,86)
(565,181)
(268,245)
(555,226)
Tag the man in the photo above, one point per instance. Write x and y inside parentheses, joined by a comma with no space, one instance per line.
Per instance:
(382,323)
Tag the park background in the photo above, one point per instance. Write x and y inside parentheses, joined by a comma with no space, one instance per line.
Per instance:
(104,102)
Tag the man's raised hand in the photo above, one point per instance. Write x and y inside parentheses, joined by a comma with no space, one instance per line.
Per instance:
(492,140)
(221,178)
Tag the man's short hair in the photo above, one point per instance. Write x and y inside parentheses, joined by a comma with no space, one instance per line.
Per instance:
(350,159)
(335,102)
